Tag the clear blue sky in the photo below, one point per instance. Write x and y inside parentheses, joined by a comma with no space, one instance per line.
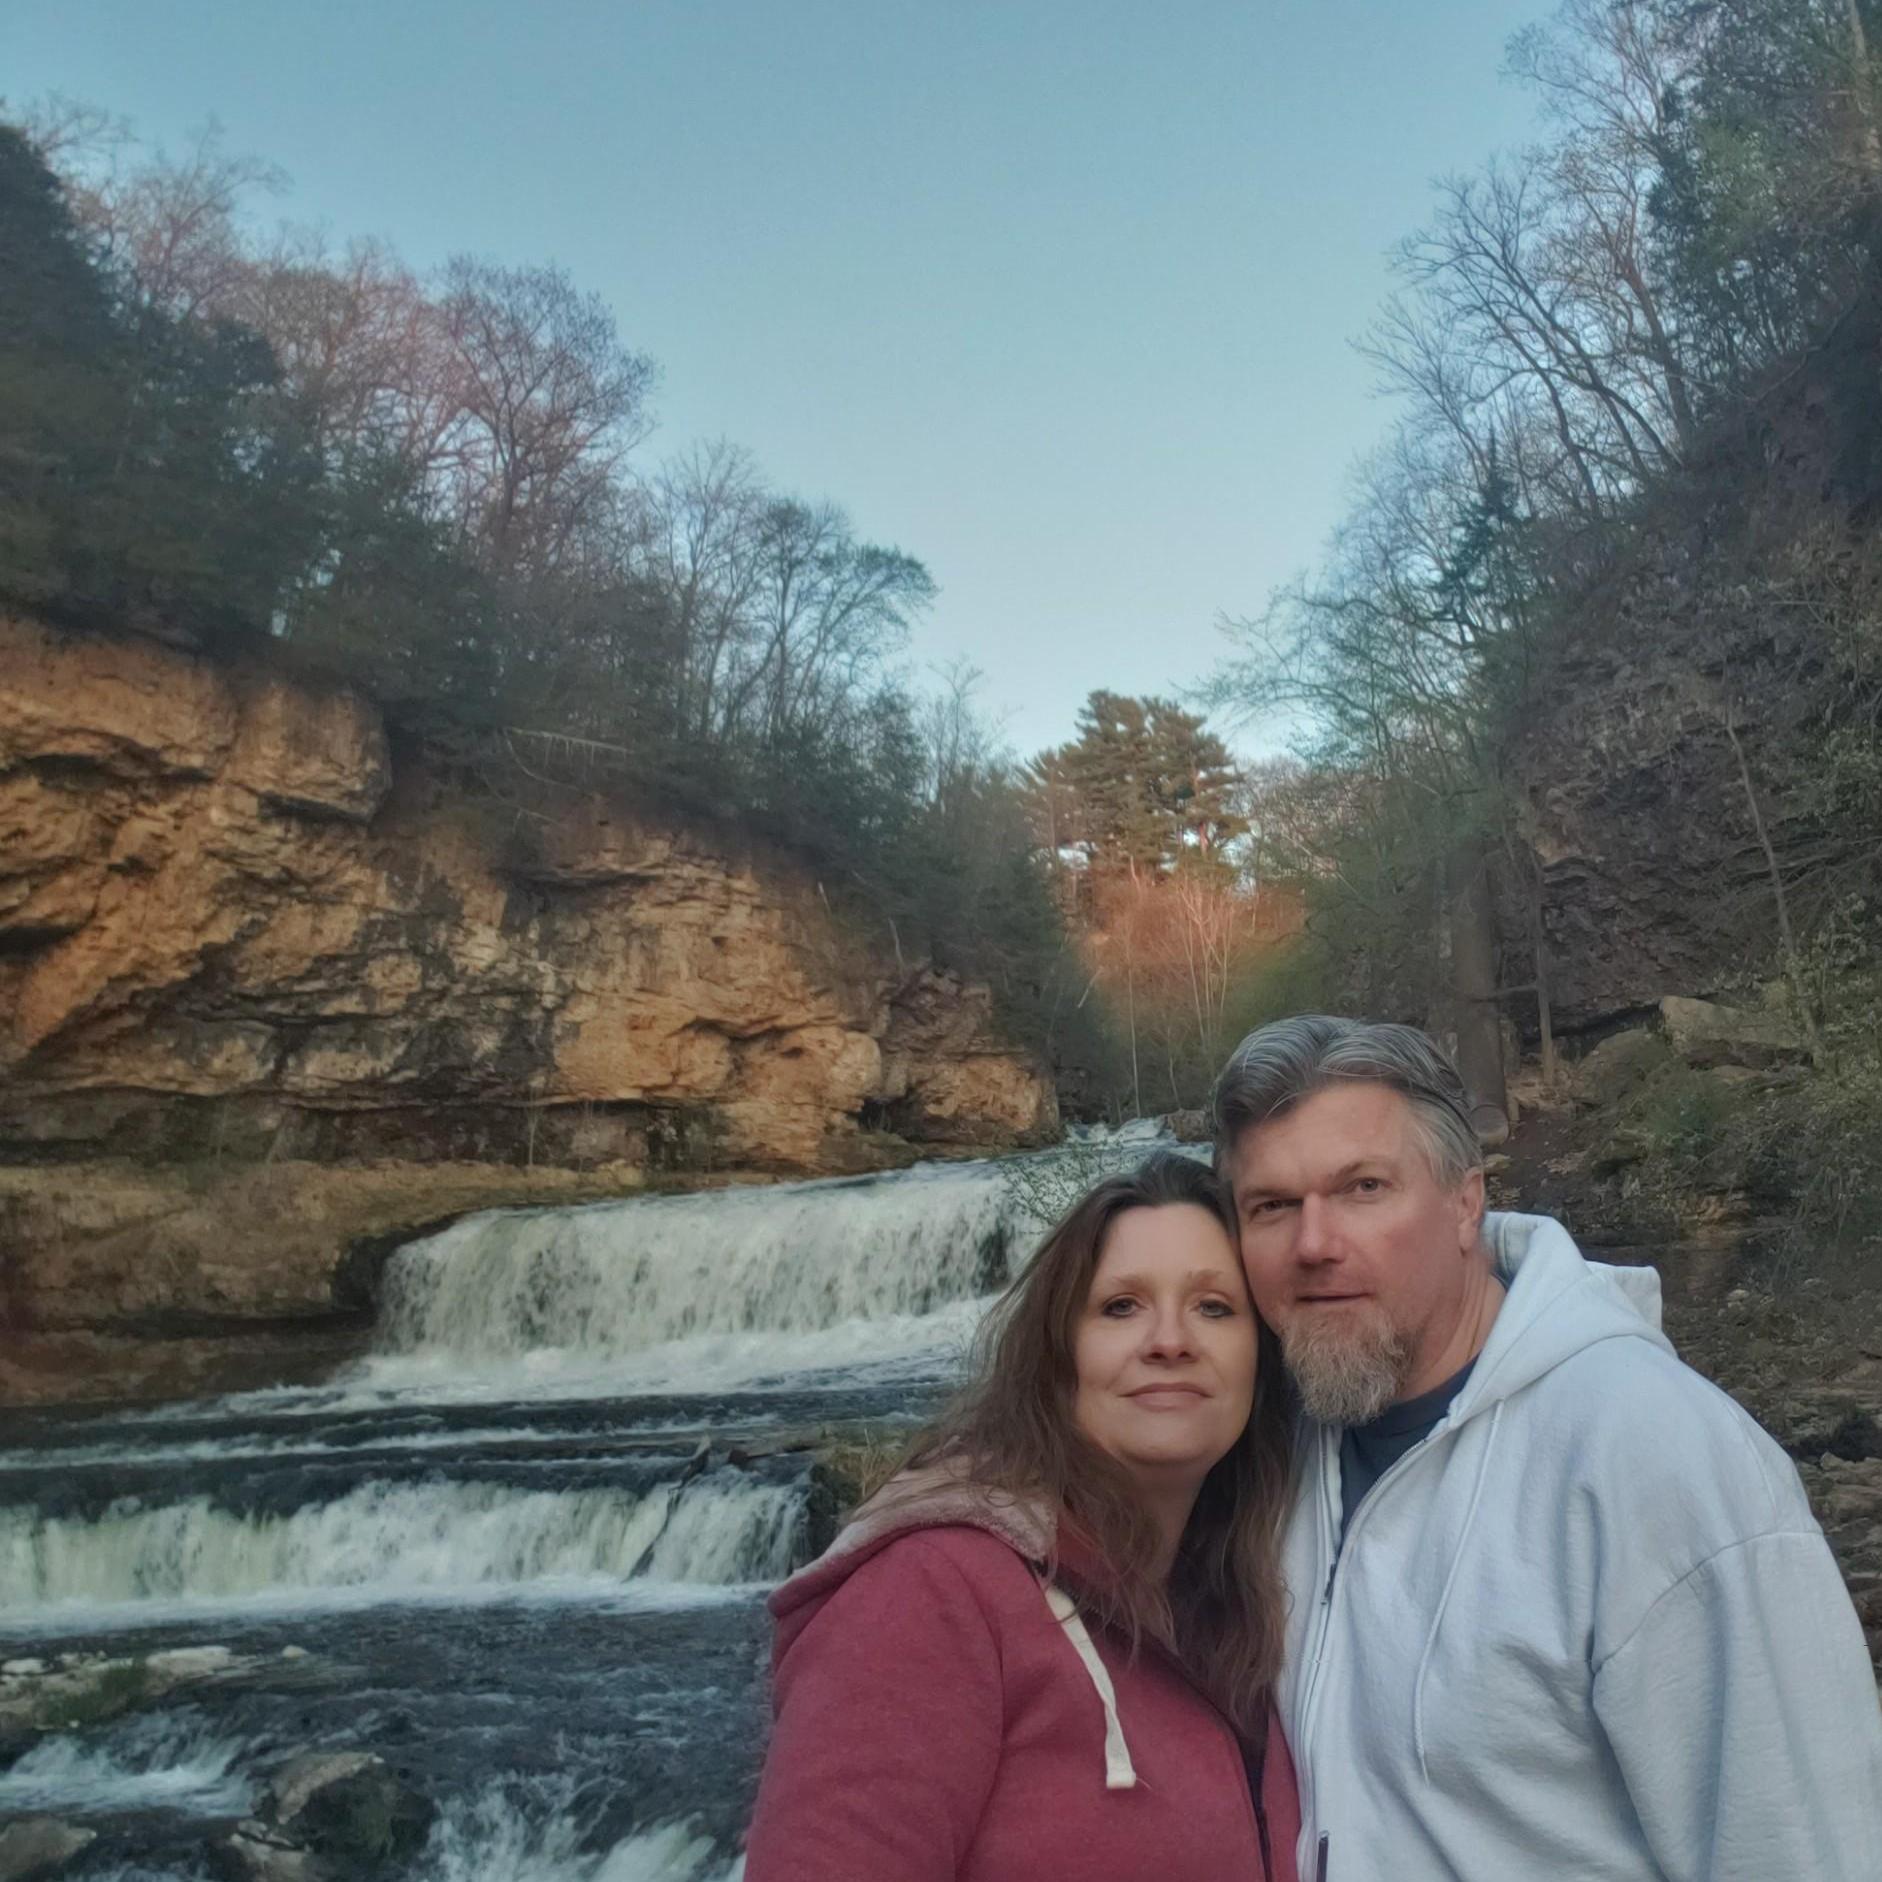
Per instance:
(1055,294)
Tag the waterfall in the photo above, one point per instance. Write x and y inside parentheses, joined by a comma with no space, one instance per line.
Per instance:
(496,1835)
(719,1530)
(520,1550)
(156,1762)
(773,1276)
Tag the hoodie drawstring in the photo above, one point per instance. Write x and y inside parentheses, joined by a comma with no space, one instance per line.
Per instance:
(1119,1773)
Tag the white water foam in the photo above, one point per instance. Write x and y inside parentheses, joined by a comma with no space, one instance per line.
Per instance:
(159,1762)
(489,1842)
(616,1279)
(490,1839)
(87,1620)
(397,1538)
(857,1353)
(293,1449)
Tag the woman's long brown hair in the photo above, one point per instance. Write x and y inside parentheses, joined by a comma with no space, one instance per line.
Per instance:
(1012,1430)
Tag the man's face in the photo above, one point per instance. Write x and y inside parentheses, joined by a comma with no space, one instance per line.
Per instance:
(1356,1255)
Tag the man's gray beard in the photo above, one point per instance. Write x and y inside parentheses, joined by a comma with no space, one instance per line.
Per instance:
(1346,1373)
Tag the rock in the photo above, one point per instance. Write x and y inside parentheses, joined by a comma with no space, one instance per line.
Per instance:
(40,1846)
(252,1852)
(1618,1066)
(347,1807)
(1622,1147)
(1189,1127)
(231,936)
(82,1689)
(210,891)
(88,1688)
(323,754)
(1704,1034)
(1678,681)
(1847,1493)
(178,1664)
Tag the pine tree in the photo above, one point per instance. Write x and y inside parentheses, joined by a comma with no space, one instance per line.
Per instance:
(1141,789)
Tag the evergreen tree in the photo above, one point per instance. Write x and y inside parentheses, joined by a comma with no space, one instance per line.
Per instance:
(150,472)
(1142,788)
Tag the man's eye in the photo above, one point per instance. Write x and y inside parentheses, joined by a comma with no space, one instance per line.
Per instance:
(1369,1185)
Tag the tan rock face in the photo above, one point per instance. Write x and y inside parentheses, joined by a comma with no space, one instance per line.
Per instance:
(220,910)
(131,1282)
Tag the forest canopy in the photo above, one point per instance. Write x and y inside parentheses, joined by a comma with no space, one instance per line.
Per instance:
(432,489)
(1635,367)
(1633,361)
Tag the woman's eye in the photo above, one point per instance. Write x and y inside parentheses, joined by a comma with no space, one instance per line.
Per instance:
(1118,1308)
(1218,1309)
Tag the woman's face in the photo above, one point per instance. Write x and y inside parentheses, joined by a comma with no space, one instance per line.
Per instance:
(1165,1346)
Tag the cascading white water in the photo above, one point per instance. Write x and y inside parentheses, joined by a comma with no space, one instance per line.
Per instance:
(157,1762)
(490,1839)
(397,1537)
(620,1278)
(612,1666)
(489,1836)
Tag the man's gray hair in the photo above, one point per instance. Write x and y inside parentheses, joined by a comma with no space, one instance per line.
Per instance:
(1281,1063)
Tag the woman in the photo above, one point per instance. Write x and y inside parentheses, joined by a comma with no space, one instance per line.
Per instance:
(1045,1648)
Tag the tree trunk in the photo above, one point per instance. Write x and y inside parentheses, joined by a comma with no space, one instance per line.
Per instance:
(1539,954)
(1787,934)
(1475,1008)
(1130,995)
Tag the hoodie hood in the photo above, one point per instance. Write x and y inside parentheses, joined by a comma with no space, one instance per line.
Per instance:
(1558,1304)
(935,1497)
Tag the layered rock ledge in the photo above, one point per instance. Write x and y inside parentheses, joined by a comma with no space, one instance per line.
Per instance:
(240,929)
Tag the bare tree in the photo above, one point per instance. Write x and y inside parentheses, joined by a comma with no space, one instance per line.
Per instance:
(830,610)
(171,224)
(699,539)
(546,404)
(961,746)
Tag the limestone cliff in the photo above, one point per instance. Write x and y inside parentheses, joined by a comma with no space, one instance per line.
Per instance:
(225,909)
(273,996)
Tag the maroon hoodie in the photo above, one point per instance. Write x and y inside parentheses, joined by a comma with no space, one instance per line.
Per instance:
(943,1715)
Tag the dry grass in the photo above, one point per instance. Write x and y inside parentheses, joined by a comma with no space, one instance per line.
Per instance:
(861,1461)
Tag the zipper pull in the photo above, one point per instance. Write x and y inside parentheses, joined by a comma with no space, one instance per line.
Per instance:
(1326,1593)
(1320,1866)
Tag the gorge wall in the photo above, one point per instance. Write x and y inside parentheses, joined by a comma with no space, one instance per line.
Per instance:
(238,933)
(217,887)
(1716,695)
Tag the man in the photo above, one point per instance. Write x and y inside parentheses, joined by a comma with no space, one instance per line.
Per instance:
(1559,1605)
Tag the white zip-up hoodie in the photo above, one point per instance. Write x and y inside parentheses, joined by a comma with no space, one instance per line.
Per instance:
(1588,1628)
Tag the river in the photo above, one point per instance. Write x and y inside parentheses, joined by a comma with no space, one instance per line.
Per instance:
(520,1551)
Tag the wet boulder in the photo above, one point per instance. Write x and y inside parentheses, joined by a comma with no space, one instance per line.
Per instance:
(39,1846)
(349,1808)
(254,1853)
